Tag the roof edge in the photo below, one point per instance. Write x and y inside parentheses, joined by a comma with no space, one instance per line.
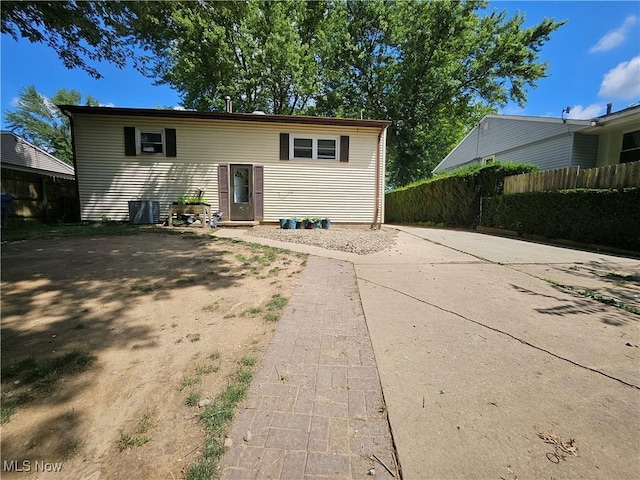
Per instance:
(220,116)
(62,163)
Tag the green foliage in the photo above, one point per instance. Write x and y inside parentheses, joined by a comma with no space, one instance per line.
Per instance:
(601,217)
(435,68)
(451,199)
(81,33)
(38,120)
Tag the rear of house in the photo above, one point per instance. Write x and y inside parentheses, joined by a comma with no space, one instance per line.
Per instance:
(251,166)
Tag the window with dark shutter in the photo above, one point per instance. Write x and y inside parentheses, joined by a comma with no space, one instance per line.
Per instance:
(170,140)
(344,148)
(284,146)
(223,190)
(258,192)
(130,141)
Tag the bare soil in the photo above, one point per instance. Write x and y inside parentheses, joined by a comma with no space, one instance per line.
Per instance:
(156,311)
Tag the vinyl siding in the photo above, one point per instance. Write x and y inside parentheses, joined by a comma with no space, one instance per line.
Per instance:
(523,139)
(585,150)
(547,155)
(108,179)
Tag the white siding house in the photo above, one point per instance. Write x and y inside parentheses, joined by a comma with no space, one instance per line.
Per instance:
(250,166)
(549,143)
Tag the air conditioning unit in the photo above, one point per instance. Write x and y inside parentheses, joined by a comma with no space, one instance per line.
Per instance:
(143,212)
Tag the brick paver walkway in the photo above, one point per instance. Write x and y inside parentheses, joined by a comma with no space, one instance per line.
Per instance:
(315,407)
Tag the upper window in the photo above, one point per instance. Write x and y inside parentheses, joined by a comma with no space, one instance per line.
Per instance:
(315,148)
(150,141)
(630,151)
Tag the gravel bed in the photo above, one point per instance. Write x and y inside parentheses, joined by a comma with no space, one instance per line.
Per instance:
(352,239)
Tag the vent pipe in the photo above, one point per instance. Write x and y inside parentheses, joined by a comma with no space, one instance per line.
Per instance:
(609,108)
(229,105)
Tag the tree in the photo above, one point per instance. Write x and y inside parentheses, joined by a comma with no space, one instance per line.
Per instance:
(260,53)
(81,33)
(38,120)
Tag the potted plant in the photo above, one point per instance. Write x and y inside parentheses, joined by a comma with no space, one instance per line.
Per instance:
(309,223)
(284,223)
(317,222)
(325,223)
(292,223)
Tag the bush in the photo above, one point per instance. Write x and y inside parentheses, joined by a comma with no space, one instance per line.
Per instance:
(601,217)
(451,199)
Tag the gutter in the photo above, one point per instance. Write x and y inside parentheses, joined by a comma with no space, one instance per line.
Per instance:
(375,225)
(69,115)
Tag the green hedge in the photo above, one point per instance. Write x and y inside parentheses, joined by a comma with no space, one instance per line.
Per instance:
(601,217)
(451,199)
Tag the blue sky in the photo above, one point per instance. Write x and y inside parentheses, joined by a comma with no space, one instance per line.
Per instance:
(594,60)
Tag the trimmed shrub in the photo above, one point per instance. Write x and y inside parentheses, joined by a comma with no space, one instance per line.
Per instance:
(601,217)
(451,199)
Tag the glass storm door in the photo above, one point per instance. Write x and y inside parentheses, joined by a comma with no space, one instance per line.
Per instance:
(241,192)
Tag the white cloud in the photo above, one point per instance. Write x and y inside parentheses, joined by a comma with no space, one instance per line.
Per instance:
(108,104)
(615,37)
(178,107)
(622,81)
(578,112)
(15,101)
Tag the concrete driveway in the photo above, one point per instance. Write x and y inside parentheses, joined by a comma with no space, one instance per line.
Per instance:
(483,356)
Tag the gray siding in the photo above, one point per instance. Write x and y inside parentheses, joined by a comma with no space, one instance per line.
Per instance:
(526,139)
(20,153)
(547,155)
(585,150)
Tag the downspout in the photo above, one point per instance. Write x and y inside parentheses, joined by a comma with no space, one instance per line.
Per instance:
(376,224)
(69,115)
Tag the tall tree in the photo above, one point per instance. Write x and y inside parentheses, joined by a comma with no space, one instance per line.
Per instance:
(37,119)
(258,52)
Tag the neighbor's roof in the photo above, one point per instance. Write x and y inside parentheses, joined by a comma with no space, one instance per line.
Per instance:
(220,116)
(18,152)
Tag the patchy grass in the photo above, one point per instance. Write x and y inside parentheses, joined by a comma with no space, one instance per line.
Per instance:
(217,417)
(29,230)
(140,435)
(193,337)
(33,378)
(277,302)
(193,399)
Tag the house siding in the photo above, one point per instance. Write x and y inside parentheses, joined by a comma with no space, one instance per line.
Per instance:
(107,179)
(517,140)
(549,154)
(585,150)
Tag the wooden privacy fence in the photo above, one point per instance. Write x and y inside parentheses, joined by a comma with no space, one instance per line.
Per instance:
(612,176)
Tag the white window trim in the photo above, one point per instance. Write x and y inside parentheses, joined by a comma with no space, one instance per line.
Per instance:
(140,131)
(488,159)
(314,154)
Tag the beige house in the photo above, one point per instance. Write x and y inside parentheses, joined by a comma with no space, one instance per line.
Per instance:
(251,166)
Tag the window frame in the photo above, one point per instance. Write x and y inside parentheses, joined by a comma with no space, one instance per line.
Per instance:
(314,146)
(152,130)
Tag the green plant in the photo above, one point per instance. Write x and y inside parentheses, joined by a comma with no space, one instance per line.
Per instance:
(216,419)
(453,198)
(190,381)
(193,399)
(34,378)
(277,302)
(193,337)
(139,437)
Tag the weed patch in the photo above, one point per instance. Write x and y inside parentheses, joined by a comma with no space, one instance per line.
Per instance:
(140,435)
(33,378)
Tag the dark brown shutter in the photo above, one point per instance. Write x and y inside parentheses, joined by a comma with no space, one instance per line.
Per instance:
(223,190)
(344,148)
(284,146)
(170,141)
(258,192)
(130,141)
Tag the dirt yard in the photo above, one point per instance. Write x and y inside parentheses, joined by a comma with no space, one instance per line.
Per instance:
(107,340)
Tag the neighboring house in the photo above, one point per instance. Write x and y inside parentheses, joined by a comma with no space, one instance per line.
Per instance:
(42,185)
(251,166)
(550,143)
